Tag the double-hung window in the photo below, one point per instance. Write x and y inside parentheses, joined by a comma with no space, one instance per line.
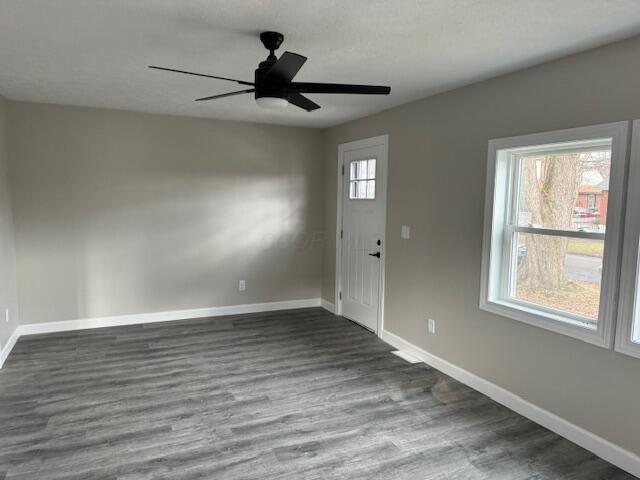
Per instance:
(552,224)
(628,331)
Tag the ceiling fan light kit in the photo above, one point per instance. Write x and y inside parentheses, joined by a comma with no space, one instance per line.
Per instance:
(273,85)
(272,102)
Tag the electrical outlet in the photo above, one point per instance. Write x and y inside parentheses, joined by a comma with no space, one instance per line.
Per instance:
(6,315)
(405,232)
(432,326)
(242,285)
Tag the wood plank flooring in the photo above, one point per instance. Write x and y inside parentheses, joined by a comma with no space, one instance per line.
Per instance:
(299,394)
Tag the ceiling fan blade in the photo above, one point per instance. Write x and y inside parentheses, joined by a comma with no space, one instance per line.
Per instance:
(302,102)
(285,67)
(303,87)
(222,95)
(200,75)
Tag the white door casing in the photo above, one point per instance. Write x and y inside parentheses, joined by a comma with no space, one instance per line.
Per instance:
(361,232)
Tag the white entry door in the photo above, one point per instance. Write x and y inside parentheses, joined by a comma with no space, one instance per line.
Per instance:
(362,241)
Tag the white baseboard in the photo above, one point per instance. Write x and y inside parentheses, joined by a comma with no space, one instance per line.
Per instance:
(327,305)
(119,320)
(4,352)
(606,450)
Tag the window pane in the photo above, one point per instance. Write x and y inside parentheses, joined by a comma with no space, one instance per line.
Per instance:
(353,175)
(371,189)
(559,273)
(362,189)
(362,169)
(371,174)
(352,190)
(565,189)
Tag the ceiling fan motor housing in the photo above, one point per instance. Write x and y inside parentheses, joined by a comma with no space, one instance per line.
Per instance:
(271,88)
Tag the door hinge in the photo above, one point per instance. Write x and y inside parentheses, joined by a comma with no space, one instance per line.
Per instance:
(341,233)
(343,170)
(340,295)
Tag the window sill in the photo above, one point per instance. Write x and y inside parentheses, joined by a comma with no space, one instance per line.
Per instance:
(547,321)
(629,348)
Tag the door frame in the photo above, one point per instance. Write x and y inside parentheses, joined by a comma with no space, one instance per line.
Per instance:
(380,140)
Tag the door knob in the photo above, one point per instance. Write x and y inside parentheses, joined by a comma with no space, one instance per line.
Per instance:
(377,254)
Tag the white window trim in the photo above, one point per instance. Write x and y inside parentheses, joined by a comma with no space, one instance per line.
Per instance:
(557,322)
(630,258)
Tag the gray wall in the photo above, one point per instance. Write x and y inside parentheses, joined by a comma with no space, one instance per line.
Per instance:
(8,296)
(124,213)
(437,165)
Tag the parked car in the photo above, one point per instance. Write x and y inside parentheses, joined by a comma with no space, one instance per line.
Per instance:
(585,218)
(581,212)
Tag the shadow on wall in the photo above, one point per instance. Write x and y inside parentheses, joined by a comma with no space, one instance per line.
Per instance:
(140,214)
(189,234)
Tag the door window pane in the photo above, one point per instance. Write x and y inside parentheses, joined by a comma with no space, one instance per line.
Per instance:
(559,273)
(371,189)
(371,166)
(565,189)
(362,170)
(362,189)
(354,171)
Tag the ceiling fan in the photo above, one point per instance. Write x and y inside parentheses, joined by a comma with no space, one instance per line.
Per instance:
(273,84)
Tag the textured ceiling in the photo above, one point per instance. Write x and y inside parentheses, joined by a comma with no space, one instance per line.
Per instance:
(94,52)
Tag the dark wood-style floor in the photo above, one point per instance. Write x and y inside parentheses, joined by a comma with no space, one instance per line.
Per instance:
(286,395)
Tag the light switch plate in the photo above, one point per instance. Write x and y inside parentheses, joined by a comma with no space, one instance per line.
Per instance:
(242,285)
(405,232)
(432,326)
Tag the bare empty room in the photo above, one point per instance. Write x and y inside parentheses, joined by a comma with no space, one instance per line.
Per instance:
(292,240)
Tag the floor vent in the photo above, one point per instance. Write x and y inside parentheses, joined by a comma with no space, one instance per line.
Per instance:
(406,356)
